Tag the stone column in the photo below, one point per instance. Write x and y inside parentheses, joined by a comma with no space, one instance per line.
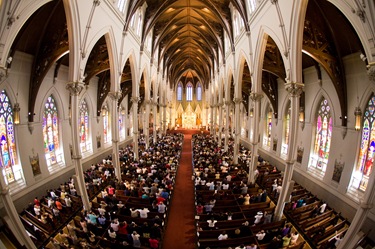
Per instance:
(115,96)
(237,102)
(294,89)
(220,105)
(212,131)
(207,111)
(155,112)
(12,218)
(146,128)
(227,105)
(75,89)
(255,97)
(164,118)
(135,101)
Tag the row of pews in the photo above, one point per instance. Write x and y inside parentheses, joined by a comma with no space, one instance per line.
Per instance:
(240,228)
(319,229)
(55,231)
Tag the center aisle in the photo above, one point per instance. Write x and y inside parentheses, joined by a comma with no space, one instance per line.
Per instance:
(181,231)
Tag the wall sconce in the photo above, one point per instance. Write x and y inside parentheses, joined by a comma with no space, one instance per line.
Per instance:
(301,115)
(358,116)
(16,113)
(122,112)
(104,111)
(251,112)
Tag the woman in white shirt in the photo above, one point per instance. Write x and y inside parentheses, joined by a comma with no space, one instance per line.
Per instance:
(223,236)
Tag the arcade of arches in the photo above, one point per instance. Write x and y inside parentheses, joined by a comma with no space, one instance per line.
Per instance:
(293,81)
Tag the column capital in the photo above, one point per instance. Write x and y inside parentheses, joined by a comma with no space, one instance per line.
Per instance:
(366,205)
(237,100)
(114,141)
(115,95)
(294,88)
(76,157)
(148,102)
(371,72)
(227,103)
(135,99)
(256,96)
(4,191)
(74,88)
(273,1)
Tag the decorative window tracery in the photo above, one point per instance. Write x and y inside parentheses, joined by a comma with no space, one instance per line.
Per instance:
(323,136)
(367,148)
(189,92)
(7,139)
(51,135)
(84,127)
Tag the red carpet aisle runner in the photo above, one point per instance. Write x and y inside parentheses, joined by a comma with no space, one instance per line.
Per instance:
(181,231)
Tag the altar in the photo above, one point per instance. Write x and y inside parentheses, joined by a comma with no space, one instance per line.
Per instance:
(189,118)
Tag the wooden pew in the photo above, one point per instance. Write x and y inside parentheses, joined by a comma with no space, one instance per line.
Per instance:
(316,220)
(212,243)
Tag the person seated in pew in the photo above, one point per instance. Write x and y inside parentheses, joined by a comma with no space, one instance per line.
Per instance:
(286,240)
(260,235)
(267,217)
(258,217)
(322,208)
(252,246)
(242,246)
(246,199)
(211,223)
(294,238)
(240,200)
(223,236)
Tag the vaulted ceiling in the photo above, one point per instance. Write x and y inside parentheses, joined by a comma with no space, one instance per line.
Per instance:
(188,37)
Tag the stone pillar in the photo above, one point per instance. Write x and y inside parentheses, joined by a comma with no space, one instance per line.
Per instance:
(237,102)
(115,96)
(220,105)
(12,218)
(155,112)
(226,139)
(146,128)
(135,101)
(212,130)
(294,89)
(255,97)
(75,89)
(207,111)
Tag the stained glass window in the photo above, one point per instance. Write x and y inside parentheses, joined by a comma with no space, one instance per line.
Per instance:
(121,125)
(106,126)
(189,92)
(367,147)
(51,131)
(179,91)
(84,126)
(322,136)
(199,92)
(267,140)
(7,139)
(284,147)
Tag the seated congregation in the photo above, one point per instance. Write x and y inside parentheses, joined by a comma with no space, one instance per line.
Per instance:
(126,213)
(233,213)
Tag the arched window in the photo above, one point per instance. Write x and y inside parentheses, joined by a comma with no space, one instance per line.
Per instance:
(367,148)
(179,91)
(51,134)
(284,147)
(268,130)
(7,140)
(121,120)
(121,5)
(199,91)
(189,92)
(252,5)
(106,133)
(323,135)
(84,127)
